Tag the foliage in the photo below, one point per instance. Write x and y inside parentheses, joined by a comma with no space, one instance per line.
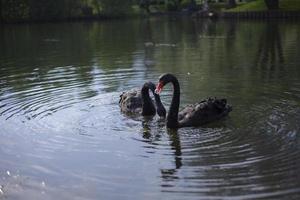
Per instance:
(272,4)
(14,9)
(185,3)
(115,7)
(36,10)
(289,4)
(171,5)
(54,9)
(231,4)
(188,4)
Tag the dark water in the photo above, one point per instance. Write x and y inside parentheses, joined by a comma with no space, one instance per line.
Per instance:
(62,135)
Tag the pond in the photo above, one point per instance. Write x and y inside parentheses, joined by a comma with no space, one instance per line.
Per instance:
(63,135)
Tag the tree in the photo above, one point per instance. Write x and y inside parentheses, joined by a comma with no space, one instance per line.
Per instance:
(14,10)
(145,4)
(272,4)
(232,3)
(115,7)
(0,10)
(205,6)
(97,5)
(54,9)
(172,5)
(40,10)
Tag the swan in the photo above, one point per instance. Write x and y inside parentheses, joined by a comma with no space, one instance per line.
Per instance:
(138,101)
(197,114)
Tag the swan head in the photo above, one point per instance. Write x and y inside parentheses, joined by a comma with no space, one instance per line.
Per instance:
(163,80)
(161,111)
(149,85)
(159,88)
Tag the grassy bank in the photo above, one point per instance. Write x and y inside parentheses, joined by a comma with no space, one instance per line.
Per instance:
(259,5)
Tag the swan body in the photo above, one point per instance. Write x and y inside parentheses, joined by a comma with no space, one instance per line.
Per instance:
(138,101)
(131,101)
(197,114)
(204,112)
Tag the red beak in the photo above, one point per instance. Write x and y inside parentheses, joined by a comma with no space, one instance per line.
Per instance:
(159,87)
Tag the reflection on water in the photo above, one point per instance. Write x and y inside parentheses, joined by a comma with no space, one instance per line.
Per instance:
(63,136)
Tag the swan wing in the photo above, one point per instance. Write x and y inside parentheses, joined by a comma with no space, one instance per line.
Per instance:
(131,101)
(203,112)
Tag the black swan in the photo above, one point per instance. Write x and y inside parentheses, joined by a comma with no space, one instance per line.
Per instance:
(138,101)
(197,114)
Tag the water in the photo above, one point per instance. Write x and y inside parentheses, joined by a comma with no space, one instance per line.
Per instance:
(63,136)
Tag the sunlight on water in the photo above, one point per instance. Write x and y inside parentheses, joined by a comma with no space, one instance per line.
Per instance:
(63,136)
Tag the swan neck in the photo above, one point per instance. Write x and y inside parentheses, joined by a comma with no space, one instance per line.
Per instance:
(157,101)
(147,105)
(172,118)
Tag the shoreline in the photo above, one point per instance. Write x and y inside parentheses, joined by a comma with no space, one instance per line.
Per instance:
(70,19)
(275,14)
(209,14)
(258,15)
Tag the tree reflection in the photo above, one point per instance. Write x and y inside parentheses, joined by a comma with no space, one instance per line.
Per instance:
(146,30)
(270,54)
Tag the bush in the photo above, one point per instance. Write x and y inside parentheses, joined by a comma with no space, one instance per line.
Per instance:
(115,7)
(172,5)
(185,3)
(14,10)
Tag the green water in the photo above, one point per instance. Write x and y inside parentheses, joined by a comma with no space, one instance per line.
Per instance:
(63,136)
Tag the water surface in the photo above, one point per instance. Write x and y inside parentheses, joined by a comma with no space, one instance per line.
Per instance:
(63,136)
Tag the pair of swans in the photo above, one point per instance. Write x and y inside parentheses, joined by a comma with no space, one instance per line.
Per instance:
(197,114)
